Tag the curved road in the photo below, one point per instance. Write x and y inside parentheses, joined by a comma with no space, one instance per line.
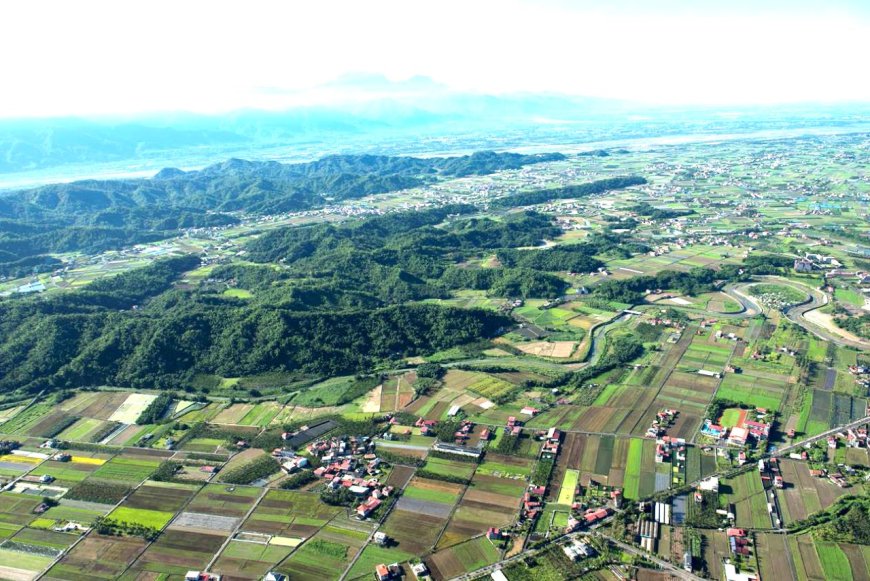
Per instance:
(797,313)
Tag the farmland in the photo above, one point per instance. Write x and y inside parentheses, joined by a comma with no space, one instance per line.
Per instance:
(595,315)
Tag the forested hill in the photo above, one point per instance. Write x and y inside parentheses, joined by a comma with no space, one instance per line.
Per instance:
(95,336)
(92,216)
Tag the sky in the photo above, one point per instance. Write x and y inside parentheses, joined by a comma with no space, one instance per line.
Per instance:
(97,58)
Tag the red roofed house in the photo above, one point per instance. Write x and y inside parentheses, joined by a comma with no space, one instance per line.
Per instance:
(366,508)
(382,572)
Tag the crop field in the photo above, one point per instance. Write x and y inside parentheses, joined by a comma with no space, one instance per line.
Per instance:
(505,466)
(372,556)
(150,518)
(175,552)
(822,409)
(488,502)
(26,565)
(133,406)
(774,560)
(97,557)
(96,405)
(555,349)
(233,414)
(463,558)
(224,500)
(261,414)
(715,551)
(397,392)
(804,495)
(289,513)
(247,560)
(160,496)
(24,420)
(8,413)
(326,555)
(753,389)
(126,469)
(806,558)
(449,467)
(82,430)
(66,473)
(747,494)
(17,509)
(415,532)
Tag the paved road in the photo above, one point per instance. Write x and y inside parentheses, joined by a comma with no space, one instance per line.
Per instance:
(797,445)
(796,314)
(665,565)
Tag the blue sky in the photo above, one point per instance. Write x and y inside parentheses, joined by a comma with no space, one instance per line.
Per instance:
(99,58)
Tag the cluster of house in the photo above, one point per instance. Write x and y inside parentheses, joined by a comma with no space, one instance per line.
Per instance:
(577,550)
(770,469)
(350,462)
(665,447)
(533,503)
(835,477)
(663,420)
(513,427)
(730,336)
(862,375)
(550,447)
(738,542)
(587,518)
(394,571)
(757,429)
(290,461)
(665,322)
(812,262)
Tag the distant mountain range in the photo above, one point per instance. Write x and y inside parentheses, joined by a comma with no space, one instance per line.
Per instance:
(95,215)
(361,111)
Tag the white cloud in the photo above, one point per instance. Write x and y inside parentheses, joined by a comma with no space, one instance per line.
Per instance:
(99,57)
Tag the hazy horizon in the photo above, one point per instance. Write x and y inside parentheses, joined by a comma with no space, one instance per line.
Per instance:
(131,59)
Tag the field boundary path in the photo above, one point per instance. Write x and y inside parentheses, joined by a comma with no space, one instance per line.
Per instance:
(90,530)
(377,527)
(235,530)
